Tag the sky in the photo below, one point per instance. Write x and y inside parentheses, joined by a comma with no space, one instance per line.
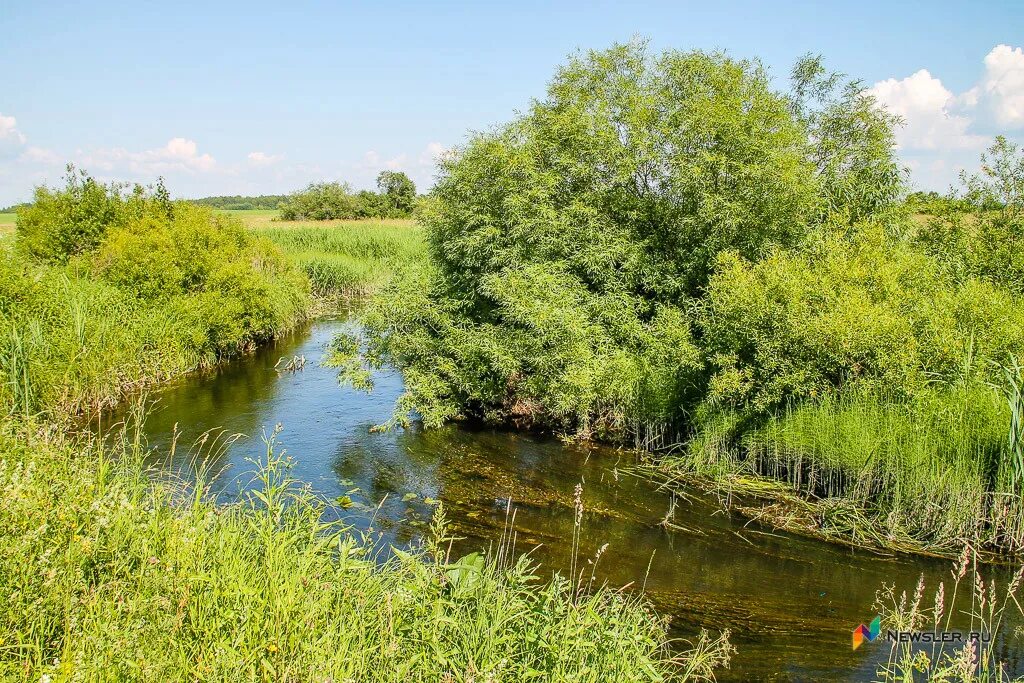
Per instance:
(254,98)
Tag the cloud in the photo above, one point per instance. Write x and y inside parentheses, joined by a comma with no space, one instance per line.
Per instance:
(179,154)
(927,109)
(12,140)
(944,132)
(1001,90)
(263,159)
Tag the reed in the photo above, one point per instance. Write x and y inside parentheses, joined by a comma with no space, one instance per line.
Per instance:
(931,472)
(348,258)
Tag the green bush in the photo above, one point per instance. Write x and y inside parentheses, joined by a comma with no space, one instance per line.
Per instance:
(336,201)
(572,248)
(980,233)
(63,223)
(861,308)
(166,288)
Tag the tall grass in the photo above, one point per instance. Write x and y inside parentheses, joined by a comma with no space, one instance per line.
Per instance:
(348,257)
(972,604)
(929,471)
(110,574)
(70,342)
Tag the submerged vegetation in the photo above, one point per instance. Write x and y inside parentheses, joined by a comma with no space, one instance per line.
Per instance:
(666,252)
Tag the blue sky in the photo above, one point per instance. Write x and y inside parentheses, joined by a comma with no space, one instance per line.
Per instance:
(225,98)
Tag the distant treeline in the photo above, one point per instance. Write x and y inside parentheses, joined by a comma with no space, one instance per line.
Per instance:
(241,203)
(395,198)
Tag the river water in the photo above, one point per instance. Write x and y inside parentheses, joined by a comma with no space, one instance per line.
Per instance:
(789,602)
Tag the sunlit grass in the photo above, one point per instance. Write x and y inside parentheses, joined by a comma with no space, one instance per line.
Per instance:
(110,574)
(346,257)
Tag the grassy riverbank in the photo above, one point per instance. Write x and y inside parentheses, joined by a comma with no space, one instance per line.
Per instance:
(109,575)
(348,258)
(109,572)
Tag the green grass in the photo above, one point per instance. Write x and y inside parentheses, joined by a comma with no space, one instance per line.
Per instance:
(78,336)
(346,257)
(108,574)
(923,473)
(6,222)
(109,571)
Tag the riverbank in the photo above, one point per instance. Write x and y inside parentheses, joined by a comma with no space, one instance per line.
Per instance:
(109,572)
(698,567)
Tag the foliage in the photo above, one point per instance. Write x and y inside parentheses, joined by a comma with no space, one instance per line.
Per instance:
(852,142)
(167,288)
(64,223)
(337,201)
(242,203)
(980,234)
(350,258)
(572,248)
(153,581)
(864,309)
(320,202)
(397,191)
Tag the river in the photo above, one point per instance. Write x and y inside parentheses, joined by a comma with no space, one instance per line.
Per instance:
(789,602)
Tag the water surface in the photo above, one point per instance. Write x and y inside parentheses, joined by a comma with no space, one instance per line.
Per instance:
(789,602)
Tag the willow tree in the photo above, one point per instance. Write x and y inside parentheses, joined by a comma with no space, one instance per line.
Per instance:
(570,245)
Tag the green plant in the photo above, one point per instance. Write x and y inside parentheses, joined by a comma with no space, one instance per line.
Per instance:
(154,581)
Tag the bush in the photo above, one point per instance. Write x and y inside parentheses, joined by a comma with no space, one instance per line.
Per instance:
(572,247)
(321,202)
(167,288)
(60,224)
(860,308)
(336,201)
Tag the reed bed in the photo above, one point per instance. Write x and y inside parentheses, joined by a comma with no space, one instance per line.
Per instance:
(926,474)
(348,258)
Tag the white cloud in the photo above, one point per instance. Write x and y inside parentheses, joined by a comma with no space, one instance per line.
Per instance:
(263,159)
(1002,87)
(944,132)
(179,154)
(926,107)
(11,139)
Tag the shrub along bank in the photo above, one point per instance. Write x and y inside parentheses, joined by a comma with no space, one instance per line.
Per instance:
(104,290)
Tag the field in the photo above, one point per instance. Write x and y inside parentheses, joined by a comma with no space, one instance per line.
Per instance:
(344,257)
(6,223)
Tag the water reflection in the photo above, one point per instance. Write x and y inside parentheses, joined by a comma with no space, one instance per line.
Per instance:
(789,602)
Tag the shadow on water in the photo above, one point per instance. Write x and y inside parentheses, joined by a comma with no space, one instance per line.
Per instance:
(789,602)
